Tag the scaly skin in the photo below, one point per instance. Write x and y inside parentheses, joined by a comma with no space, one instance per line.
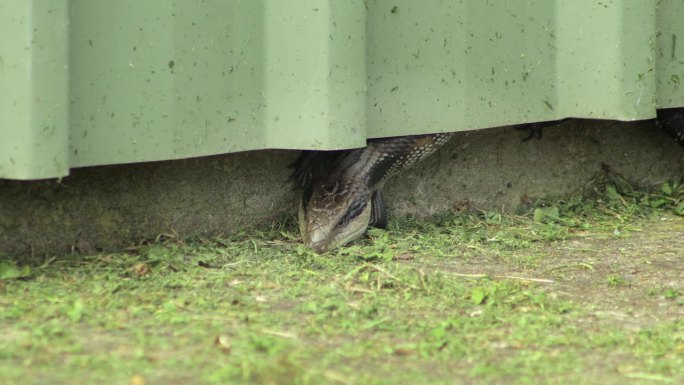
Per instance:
(672,121)
(343,189)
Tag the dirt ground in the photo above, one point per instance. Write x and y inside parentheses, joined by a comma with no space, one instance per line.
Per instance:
(442,302)
(622,278)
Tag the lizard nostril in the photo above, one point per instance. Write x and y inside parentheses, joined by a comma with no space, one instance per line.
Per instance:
(319,247)
(317,237)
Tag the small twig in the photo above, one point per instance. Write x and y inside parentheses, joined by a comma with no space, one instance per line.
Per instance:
(466,275)
(355,289)
(540,280)
(383,271)
(580,264)
(421,275)
(383,274)
(480,249)
(335,376)
(276,333)
(48,262)
(649,376)
(390,276)
(233,264)
(375,323)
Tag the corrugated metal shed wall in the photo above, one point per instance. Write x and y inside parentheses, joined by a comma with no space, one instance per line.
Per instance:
(94,82)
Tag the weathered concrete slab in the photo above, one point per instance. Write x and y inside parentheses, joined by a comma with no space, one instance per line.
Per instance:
(493,169)
(107,208)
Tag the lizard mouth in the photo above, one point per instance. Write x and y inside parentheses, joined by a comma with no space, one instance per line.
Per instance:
(322,242)
(322,238)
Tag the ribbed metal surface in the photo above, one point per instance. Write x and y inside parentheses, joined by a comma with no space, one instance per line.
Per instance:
(93,82)
(34,96)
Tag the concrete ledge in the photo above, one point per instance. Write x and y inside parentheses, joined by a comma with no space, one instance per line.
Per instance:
(494,168)
(107,208)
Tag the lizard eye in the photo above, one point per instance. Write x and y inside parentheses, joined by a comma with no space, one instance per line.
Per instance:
(357,207)
(331,188)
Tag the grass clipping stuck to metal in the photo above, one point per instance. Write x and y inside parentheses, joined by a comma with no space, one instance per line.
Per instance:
(566,291)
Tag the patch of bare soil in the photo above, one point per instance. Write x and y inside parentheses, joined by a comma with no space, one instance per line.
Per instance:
(631,280)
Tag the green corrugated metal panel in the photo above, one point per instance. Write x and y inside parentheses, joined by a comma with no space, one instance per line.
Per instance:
(132,81)
(163,80)
(670,57)
(480,64)
(34,97)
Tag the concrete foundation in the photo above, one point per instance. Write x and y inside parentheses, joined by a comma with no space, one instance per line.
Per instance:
(108,208)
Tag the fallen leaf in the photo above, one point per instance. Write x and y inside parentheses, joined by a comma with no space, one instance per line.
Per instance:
(10,271)
(141,269)
(137,380)
(223,342)
(403,352)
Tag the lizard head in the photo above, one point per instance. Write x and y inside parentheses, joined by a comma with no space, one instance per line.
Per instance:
(332,214)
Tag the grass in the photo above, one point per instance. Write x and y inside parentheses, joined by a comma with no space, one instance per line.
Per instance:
(477,297)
